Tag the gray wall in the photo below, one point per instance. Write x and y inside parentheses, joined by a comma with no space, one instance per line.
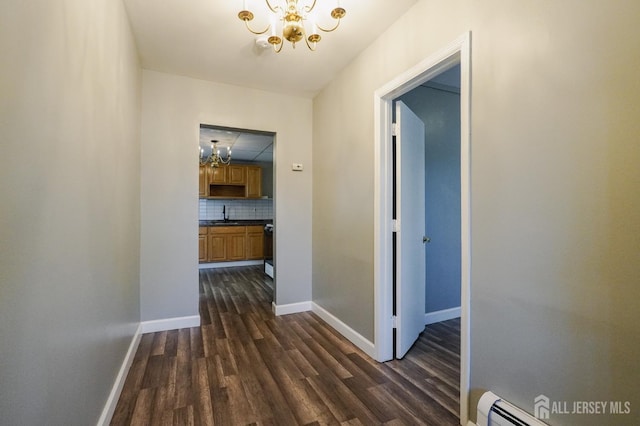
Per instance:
(69,216)
(173,108)
(439,109)
(555,192)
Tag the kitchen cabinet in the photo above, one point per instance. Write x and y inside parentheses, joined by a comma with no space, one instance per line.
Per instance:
(236,174)
(230,243)
(226,243)
(231,181)
(254,181)
(203,182)
(255,242)
(216,248)
(236,245)
(217,175)
(202,244)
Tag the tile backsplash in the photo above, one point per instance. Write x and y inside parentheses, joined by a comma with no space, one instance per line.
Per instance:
(236,209)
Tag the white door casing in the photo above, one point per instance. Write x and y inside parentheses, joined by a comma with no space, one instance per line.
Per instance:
(456,52)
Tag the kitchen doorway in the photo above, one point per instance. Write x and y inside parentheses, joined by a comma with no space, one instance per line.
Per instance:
(456,53)
(237,199)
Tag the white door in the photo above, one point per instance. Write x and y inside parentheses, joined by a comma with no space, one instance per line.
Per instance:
(410,248)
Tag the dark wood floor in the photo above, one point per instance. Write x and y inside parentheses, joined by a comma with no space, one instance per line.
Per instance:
(244,366)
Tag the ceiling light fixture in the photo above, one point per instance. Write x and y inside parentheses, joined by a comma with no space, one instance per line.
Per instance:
(289,20)
(215,159)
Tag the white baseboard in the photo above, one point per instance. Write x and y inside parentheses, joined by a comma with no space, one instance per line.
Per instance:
(292,308)
(170,324)
(443,315)
(230,264)
(353,336)
(112,401)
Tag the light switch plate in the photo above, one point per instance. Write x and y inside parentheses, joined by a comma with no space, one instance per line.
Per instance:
(296,167)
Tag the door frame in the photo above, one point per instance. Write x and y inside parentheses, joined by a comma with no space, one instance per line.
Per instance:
(457,52)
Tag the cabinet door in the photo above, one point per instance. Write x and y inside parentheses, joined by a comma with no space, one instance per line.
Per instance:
(203,184)
(217,248)
(237,175)
(202,248)
(255,242)
(236,246)
(254,181)
(217,175)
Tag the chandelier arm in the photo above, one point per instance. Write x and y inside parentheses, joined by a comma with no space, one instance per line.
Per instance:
(313,49)
(278,49)
(308,9)
(273,9)
(246,22)
(328,30)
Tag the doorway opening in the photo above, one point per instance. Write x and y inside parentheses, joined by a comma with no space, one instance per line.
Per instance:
(237,200)
(455,54)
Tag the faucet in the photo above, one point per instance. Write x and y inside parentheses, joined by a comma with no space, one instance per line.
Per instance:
(224,215)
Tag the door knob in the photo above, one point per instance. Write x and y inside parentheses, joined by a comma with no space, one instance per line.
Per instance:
(426,239)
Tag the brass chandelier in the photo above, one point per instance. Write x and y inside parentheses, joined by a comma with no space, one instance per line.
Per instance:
(288,18)
(215,159)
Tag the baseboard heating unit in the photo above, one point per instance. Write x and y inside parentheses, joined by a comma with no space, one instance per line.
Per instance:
(494,411)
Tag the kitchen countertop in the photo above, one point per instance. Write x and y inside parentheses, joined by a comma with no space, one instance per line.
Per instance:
(250,222)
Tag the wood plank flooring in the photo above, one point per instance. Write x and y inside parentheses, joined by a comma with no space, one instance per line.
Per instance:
(244,366)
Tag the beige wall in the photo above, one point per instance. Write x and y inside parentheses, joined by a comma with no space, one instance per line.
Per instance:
(69,216)
(173,109)
(555,192)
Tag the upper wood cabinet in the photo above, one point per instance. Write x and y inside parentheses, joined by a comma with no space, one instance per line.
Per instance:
(236,175)
(231,181)
(254,181)
(217,175)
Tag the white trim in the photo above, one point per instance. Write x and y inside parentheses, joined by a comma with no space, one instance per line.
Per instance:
(459,51)
(114,395)
(291,308)
(465,224)
(216,265)
(354,337)
(470,423)
(170,324)
(442,315)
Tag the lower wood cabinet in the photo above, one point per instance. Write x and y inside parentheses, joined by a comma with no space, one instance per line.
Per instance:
(255,242)
(236,245)
(202,244)
(229,243)
(216,248)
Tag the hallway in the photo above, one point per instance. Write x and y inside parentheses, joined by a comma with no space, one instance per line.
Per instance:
(246,366)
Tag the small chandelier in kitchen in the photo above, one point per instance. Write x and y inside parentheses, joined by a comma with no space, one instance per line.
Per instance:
(215,160)
(289,20)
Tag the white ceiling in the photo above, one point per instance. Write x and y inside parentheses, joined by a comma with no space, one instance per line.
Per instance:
(205,39)
(244,146)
